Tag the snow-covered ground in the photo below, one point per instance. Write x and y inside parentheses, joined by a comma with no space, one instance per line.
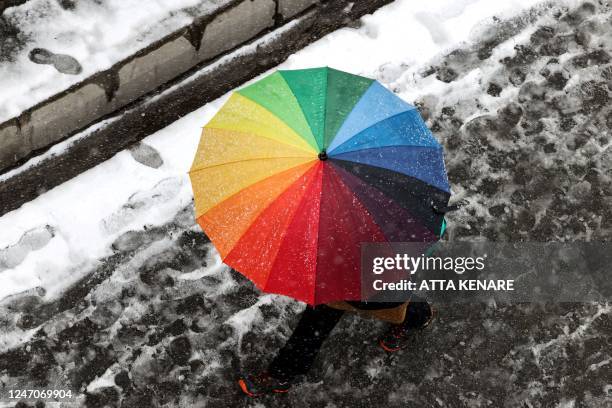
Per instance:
(98,33)
(383,49)
(517,92)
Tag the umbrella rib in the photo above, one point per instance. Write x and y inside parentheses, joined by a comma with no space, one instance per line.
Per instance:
(372,125)
(394,171)
(192,171)
(310,149)
(301,106)
(307,168)
(332,155)
(314,286)
(440,148)
(287,225)
(338,179)
(301,137)
(408,211)
(401,174)
(282,120)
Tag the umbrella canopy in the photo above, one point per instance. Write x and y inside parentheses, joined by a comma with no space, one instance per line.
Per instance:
(301,167)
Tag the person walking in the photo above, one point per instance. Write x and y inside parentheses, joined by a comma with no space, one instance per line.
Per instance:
(293,175)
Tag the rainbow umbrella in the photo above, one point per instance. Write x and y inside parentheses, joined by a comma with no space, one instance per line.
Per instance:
(301,167)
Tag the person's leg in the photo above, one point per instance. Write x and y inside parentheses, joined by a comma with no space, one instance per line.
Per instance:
(419,314)
(298,354)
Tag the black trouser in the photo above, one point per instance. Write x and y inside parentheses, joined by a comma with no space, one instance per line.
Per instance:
(316,323)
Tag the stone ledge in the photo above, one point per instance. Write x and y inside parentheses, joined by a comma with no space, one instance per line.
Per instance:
(13,145)
(289,8)
(235,26)
(208,83)
(60,116)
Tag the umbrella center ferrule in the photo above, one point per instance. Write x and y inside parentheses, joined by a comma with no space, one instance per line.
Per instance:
(323,155)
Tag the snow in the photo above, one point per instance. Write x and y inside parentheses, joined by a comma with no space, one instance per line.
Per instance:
(124,223)
(88,216)
(87,211)
(97,33)
(386,40)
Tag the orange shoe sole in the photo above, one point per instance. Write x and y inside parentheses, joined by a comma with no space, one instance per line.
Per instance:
(245,389)
(388,349)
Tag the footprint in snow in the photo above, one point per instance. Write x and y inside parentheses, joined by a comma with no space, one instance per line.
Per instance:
(146,155)
(31,240)
(139,202)
(63,63)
